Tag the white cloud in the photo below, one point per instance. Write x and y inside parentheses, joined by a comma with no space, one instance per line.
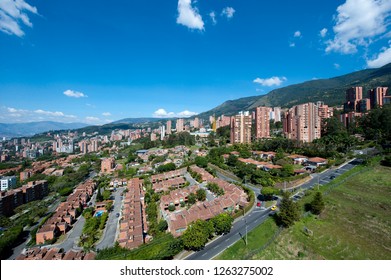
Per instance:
(189,16)
(273,81)
(382,58)
(162,113)
(12,14)
(22,115)
(106,114)
(92,120)
(323,32)
(292,45)
(359,23)
(75,94)
(186,114)
(297,34)
(213,17)
(228,12)
(337,66)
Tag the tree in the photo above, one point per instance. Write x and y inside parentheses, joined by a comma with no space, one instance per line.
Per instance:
(99,196)
(191,199)
(289,211)
(222,223)
(201,195)
(171,207)
(232,160)
(201,162)
(196,235)
(162,226)
(269,192)
(287,170)
(317,204)
(109,205)
(106,195)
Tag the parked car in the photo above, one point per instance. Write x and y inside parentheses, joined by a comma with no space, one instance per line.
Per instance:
(259,204)
(332,177)
(117,215)
(274,208)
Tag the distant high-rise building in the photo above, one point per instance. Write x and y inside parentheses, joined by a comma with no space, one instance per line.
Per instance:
(179,125)
(107,165)
(196,123)
(277,114)
(353,96)
(376,96)
(162,132)
(262,122)
(302,123)
(241,128)
(153,136)
(168,130)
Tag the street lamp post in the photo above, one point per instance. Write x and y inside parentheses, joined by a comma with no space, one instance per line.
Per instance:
(246,230)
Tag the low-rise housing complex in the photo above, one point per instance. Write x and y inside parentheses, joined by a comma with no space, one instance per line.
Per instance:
(66,213)
(55,254)
(133,225)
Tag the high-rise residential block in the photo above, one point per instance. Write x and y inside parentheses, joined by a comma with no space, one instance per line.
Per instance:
(262,122)
(241,128)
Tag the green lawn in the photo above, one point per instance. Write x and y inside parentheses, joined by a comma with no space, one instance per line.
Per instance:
(356,223)
(256,239)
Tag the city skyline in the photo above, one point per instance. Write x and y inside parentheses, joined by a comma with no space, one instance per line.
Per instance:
(78,62)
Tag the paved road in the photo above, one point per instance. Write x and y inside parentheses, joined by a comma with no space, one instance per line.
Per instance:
(238,231)
(258,216)
(110,232)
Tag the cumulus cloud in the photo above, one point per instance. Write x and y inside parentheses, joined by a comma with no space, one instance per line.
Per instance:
(228,12)
(22,115)
(106,114)
(381,59)
(292,44)
(75,94)
(162,113)
(189,16)
(337,66)
(13,15)
(269,82)
(297,34)
(359,23)
(92,120)
(213,17)
(323,32)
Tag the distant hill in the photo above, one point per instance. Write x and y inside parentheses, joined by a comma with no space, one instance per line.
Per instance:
(331,91)
(28,129)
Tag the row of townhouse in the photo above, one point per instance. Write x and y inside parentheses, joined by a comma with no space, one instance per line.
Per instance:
(11,199)
(55,254)
(205,176)
(233,198)
(168,175)
(163,186)
(177,197)
(66,213)
(133,225)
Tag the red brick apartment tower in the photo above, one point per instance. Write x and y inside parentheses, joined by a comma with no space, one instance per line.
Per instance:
(376,96)
(302,123)
(353,96)
(168,130)
(241,128)
(262,122)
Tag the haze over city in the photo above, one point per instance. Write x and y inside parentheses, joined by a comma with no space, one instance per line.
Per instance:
(95,62)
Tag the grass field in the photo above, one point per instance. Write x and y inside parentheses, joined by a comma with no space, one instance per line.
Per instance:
(356,224)
(256,239)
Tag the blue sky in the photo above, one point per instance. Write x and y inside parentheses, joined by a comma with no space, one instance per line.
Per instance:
(99,61)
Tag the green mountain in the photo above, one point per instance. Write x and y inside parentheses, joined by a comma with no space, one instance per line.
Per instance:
(331,91)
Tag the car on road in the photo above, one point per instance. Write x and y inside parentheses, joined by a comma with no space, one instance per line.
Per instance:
(332,177)
(259,204)
(274,208)
(117,215)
